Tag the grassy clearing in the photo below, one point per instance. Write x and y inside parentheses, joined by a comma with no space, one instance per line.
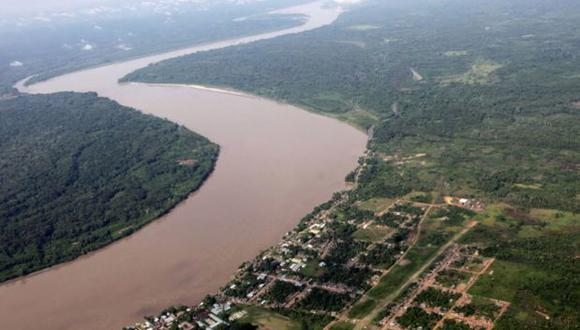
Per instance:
(313,270)
(362,309)
(528,186)
(556,219)
(342,326)
(535,268)
(419,196)
(502,280)
(481,307)
(479,74)
(266,319)
(377,204)
(372,233)
(329,102)
(359,118)
(401,272)
(506,281)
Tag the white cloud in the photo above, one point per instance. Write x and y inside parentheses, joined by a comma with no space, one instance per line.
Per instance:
(67,14)
(97,27)
(88,47)
(42,19)
(124,47)
(15,64)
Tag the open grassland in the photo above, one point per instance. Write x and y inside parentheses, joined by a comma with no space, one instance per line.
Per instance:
(372,233)
(524,243)
(266,319)
(342,326)
(376,204)
(362,308)
(479,73)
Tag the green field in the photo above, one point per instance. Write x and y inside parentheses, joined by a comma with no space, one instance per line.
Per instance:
(342,326)
(480,73)
(520,274)
(376,204)
(362,309)
(372,233)
(267,319)
(433,235)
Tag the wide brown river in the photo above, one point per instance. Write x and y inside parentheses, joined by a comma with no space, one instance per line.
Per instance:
(277,162)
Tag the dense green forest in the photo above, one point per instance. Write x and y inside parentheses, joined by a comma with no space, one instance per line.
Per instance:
(487,90)
(477,99)
(79,171)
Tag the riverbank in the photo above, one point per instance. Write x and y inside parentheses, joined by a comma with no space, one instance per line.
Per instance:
(260,188)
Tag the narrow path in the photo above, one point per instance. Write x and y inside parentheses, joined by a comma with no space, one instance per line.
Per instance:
(366,322)
(463,293)
(344,315)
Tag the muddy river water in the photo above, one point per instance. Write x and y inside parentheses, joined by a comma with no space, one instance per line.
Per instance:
(276,163)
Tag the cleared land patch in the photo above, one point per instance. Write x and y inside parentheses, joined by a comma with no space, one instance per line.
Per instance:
(416,75)
(266,319)
(480,74)
(528,186)
(372,233)
(376,204)
(359,118)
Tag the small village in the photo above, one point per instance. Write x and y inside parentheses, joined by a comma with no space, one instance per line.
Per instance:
(333,257)
(440,299)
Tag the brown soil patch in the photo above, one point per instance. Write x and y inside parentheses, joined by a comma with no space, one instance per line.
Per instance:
(461,287)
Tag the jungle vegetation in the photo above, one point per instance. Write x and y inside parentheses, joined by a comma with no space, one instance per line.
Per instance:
(78,171)
(477,99)
(486,91)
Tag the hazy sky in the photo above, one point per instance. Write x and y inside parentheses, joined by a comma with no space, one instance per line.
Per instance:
(46,4)
(29,8)
(39,9)
(24,6)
